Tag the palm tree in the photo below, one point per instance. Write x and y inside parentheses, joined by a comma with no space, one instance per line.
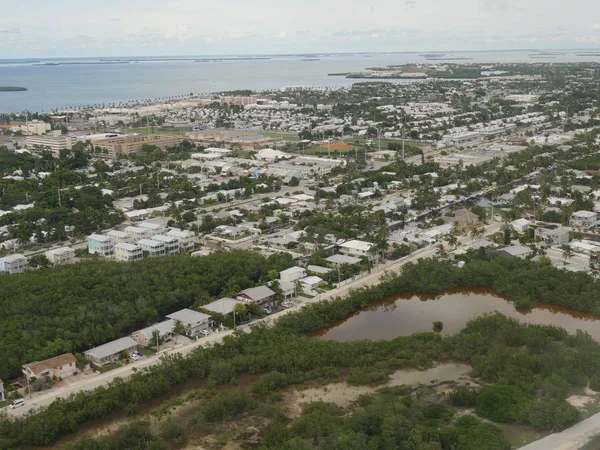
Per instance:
(477,232)
(178,329)
(441,252)
(452,240)
(567,252)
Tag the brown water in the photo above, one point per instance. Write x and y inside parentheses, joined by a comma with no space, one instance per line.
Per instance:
(408,314)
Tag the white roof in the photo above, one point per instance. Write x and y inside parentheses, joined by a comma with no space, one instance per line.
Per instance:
(318,269)
(163,328)
(292,270)
(165,239)
(98,237)
(224,305)
(60,251)
(116,233)
(357,245)
(110,348)
(12,258)
(150,225)
(520,222)
(136,230)
(189,317)
(150,243)
(584,214)
(180,233)
(343,259)
(312,280)
(127,246)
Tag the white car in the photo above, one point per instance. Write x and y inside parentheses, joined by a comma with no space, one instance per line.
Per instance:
(134,357)
(204,333)
(17,403)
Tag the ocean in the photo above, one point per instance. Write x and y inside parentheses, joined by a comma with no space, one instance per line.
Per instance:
(55,83)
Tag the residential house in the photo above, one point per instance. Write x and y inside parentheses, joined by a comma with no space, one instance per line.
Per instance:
(155,228)
(194,322)
(146,337)
(514,251)
(137,233)
(119,236)
(187,239)
(60,367)
(224,306)
(171,243)
(101,245)
(111,351)
(311,282)
(288,288)
(152,248)
(464,218)
(128,252)
(356,248)
(62,255)
(292,274)
(558,236)
(520,225)
(258,294)
(15,263)
(339,260)
(318,270)
(583,219)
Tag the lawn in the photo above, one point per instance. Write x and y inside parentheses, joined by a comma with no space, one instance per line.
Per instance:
(4,403)
(148,351)
(109,367)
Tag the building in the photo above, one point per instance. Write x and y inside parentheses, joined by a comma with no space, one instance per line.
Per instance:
(137,233)
(559,236)
(152,248)
(238,100)
(339,260)
(356,248)
(60,367)
(62,255)
(55,142)
(194,322)
(514,251)
(224,306)
(187,239)
(155,228)
(128,252)
(520,225)
(311,282)
(247,139)
(111,351)
(100,245)
(131,144)
(258,294)
(15,263)
(319,270)
(170,243)
(146,337)
(292,274)
(35,127)
(464,218)
(268,154)
(583,219)
(119,236)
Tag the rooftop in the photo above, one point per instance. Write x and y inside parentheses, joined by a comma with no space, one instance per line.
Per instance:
(110,348)
(38,367)
(225,305)
(189,317)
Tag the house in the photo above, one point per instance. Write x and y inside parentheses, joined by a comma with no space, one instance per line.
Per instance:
(319,270)
(464,218)
(155,228)
(137,233)
(339,260)
(288,288)
(514,251)
(193,321)
(146,336)
(482,243)
(520,225)
(559,236)
(583,219)
(128,252)
(119,236)
(356,248)
(224,306)
(111,351)
(60,367)
(258,294)
(100,245)
(311,282)
(171,243)
(152,248)
(15,263)
(187,239)
(62,255)
(292,274)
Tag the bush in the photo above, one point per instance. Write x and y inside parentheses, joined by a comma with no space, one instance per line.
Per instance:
(595,383)
(366,375)
(227,406)
(552,414)
(222,372)
(463,397)
(503,404)
(173,432)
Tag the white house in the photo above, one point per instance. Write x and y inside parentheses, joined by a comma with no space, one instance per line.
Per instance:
(339,260)
(559,236)
(584,219)
(187,239)
(111,351)
(193,321)
(60,366)
(137,233)
(171,243)
(146,337)
(224,306)
(258,294)
(101,245)
(62,255)
(292,274)
(311,282)
(356,248)
(156,228)
(15,263)
(520,225)
(119,236)
(152,248)
(128,252)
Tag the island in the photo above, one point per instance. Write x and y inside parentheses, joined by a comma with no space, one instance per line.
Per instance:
(12,88)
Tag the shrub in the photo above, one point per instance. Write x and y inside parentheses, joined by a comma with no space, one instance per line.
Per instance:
(503,404)
(463,397)
(595,383)
(227,406)
(365,375)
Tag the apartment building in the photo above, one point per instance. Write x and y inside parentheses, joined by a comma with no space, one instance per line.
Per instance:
(101,245)
(152,248)
(128,252)
(119,236)
(170,243)
(15,263)
(137,233)
(55,142)
(131,144)
(187,239)
(356,248)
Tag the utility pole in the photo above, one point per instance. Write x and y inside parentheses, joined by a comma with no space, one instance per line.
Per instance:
(59,201)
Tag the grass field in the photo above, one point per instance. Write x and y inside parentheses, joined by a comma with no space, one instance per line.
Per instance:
(109,367)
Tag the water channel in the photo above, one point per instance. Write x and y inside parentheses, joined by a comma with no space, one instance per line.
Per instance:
(411,313)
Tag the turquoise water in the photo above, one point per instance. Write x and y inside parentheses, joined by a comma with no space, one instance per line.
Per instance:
(94,81)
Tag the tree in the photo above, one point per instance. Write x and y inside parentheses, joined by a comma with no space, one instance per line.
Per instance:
(567,252)
(477,232)
(441,252)
(178,329)
(38,260)
(452,240)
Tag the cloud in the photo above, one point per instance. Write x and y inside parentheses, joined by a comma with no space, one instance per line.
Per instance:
(596,26)
(496,5)
(177,32)
(11,31)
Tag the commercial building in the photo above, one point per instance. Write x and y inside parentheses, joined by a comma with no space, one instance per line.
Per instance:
(111,351)
(55,142)
(15,263)
(60,367)
(146,336)
(247,139)
(101,245)
(128,252)
(194,322)
(131,144)
(62,255)
(238,100)
(34,127)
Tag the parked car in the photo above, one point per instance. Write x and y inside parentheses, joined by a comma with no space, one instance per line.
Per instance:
(204,333)
(17,403)
(134,357)
(287,304)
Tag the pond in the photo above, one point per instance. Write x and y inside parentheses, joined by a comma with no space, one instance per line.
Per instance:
(412,313)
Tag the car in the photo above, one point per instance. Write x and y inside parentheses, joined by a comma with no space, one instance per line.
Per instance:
(204,333)
(287,304)
(17,403)
(134,357)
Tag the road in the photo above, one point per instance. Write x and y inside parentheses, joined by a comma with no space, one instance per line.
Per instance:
(39,400)
(570,439)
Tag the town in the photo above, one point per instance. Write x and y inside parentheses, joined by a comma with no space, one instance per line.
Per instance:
(331,187)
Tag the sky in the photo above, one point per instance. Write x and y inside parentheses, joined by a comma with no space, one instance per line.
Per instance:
(76,28)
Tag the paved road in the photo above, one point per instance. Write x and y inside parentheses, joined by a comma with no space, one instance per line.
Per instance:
(570,439)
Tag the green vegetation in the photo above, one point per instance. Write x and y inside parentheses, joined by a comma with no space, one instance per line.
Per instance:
(12,89)
(540,364)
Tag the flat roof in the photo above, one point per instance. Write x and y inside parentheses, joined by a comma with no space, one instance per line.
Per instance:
(357,245)
(98,237)
(225,305)
(343,259)
(110,348)
(188,316)
(127,246)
